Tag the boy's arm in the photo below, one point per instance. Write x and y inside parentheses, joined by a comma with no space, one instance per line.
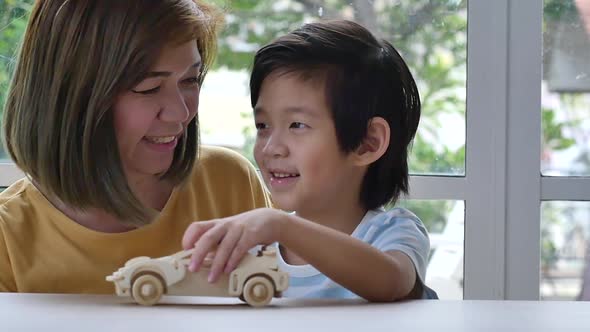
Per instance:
(381,273)
(366,271)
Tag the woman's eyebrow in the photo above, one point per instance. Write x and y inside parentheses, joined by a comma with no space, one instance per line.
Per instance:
(168,73)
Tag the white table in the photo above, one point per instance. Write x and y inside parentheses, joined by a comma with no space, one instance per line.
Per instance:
(42,312)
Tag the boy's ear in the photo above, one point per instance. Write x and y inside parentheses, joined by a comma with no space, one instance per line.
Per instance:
(375,142)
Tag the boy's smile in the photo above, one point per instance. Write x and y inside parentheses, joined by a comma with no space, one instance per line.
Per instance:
(281,179)
(297,149)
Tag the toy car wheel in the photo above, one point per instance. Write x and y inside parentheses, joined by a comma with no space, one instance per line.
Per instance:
(258,291)
(147,289)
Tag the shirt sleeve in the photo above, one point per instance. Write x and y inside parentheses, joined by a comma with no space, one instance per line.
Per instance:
(401,230)
(7,282)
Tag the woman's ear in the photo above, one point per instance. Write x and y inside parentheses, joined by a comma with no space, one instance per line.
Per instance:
(375,142)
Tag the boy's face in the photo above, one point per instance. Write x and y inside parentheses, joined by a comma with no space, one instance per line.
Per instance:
(297,149)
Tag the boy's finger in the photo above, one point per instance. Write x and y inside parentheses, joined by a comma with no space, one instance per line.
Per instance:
(237,254)
(225,248)
(206,242)
(194,232)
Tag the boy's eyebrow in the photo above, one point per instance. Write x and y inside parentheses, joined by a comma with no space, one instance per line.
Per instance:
(167,73)
(290,109)
(301,110)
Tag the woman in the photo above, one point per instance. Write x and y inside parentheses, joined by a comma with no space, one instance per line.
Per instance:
(101,116)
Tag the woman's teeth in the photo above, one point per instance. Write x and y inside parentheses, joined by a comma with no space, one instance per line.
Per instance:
(160,140)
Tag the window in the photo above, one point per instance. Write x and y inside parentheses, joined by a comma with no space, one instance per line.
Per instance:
(484,171)
(444,220)
(430,35)
(566,88)
(565,239)
(565,151)
(13,16)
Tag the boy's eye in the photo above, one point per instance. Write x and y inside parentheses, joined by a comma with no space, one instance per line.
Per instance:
(148,91)
(298,125)
(261,125)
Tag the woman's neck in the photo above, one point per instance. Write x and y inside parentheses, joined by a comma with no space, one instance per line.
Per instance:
(154,195)
(151,191)
(94,219)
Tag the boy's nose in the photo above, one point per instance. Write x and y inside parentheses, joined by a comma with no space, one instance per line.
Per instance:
(274,147)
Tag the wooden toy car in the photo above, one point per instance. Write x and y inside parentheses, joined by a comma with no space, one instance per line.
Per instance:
(255,281)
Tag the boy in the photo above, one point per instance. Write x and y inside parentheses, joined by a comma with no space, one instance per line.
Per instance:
(335,110)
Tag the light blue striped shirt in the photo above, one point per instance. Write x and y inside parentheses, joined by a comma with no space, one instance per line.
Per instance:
(397,229)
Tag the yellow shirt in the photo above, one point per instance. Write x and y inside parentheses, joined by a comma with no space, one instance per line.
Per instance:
(43,251)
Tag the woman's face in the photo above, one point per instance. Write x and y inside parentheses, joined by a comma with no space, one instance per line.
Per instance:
(151,118)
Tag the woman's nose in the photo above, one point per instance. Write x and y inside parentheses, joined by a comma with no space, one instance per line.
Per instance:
(176,108)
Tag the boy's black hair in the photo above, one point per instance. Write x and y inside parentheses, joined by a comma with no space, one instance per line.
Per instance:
(364,78)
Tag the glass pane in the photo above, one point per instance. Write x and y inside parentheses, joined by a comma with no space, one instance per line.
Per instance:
(565,259)
(430,35)
(566,88)
(13,18)
(445,223)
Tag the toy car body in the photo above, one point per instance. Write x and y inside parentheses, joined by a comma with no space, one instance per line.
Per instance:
(256,280)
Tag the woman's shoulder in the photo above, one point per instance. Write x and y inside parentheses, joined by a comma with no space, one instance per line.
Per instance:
(17,201)
(14,193)
(222,160)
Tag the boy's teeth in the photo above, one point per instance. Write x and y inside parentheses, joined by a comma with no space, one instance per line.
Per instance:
(160,140)
(283,175)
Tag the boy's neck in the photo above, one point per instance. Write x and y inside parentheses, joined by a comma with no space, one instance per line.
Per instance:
(341,219)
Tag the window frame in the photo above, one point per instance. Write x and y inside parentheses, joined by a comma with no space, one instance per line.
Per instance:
(501,194)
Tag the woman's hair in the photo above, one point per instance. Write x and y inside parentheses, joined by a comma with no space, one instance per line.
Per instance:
(77,56)
(363,78)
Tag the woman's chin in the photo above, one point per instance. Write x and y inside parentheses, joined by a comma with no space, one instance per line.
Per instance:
(153,169)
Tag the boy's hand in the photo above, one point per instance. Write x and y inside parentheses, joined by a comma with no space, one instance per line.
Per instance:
(233,236)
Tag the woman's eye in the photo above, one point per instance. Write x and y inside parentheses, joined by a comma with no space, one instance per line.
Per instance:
(298,125)
(191,81)
(148,91)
